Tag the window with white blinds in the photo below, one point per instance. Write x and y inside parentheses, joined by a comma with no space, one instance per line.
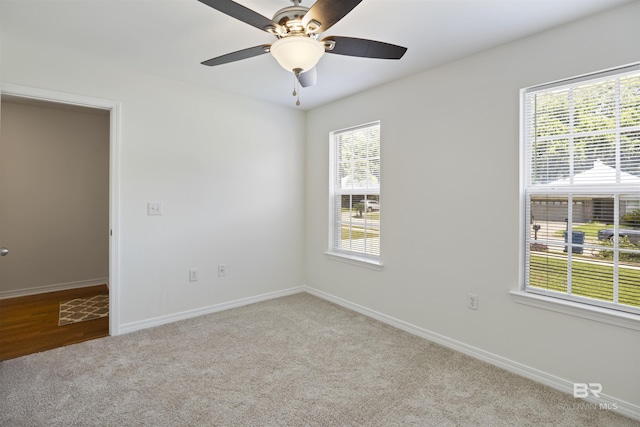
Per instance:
(355,192)
(581,147)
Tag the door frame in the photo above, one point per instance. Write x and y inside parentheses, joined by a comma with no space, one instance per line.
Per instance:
(114,109)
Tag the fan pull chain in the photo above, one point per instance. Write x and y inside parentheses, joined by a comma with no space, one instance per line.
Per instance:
(296,88)
(295,84)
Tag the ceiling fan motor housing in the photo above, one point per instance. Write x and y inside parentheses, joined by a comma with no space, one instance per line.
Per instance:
(291,18)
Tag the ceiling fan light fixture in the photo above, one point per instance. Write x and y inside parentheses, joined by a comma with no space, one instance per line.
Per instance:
(313,27)
(276,31)
(297,52)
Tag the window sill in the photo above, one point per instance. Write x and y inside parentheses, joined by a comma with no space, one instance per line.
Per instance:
(598,314)
(356,260)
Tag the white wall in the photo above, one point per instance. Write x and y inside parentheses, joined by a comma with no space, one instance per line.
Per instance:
(233,186)
(450,138)
(230,180)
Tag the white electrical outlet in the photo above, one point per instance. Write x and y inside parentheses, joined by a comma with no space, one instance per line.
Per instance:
(154,208)
(193,274)
(473,301)
(222,270)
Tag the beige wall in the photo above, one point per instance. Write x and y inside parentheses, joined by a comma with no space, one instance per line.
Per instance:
(54,196)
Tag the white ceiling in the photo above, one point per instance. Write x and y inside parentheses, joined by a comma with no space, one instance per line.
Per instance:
(171,37)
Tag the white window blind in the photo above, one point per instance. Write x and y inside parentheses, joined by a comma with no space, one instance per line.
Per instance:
(581,146)
(355,192)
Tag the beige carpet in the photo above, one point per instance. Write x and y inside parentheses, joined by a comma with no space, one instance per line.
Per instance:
(293,361)
(83,309)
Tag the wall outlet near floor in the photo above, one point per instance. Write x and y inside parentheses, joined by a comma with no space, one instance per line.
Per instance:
(193,274)
(473,301)
(154,208)
(222,270)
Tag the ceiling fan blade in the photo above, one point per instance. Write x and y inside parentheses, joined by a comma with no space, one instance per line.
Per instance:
(308,78)
(238,55)
(364,48)
(242,13)
(328,12)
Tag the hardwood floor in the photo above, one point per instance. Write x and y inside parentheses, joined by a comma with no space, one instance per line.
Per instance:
(30,324)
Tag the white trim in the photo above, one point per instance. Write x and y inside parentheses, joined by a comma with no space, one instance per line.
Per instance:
(333,252)
(114,178)
(355,128)
(596,309)
(586,311)
(170,318)
(597,75)
(114,220)
(622,407)
(370,263)
(53,288)
(54,96)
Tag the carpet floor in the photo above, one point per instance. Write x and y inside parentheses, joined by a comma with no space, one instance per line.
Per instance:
(291,361)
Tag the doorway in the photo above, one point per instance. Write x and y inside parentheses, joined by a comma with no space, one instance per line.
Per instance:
(76,248)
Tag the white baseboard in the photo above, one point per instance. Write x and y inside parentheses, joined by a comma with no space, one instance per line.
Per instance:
(609,402)
(53,288)
(161,320)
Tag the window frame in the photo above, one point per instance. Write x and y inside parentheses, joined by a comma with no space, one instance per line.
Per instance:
(369,261)
(549,300)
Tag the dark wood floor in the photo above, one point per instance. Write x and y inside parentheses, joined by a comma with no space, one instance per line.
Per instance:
(30,324)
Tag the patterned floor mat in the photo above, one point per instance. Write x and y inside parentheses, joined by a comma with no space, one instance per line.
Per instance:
(82,309)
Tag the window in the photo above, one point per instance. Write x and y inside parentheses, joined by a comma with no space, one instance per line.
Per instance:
(355,193)
(581,148)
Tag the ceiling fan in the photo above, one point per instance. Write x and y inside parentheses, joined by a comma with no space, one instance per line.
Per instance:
(297,28)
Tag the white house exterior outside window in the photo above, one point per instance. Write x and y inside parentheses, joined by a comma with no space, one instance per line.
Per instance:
(581,189)
(354,229)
